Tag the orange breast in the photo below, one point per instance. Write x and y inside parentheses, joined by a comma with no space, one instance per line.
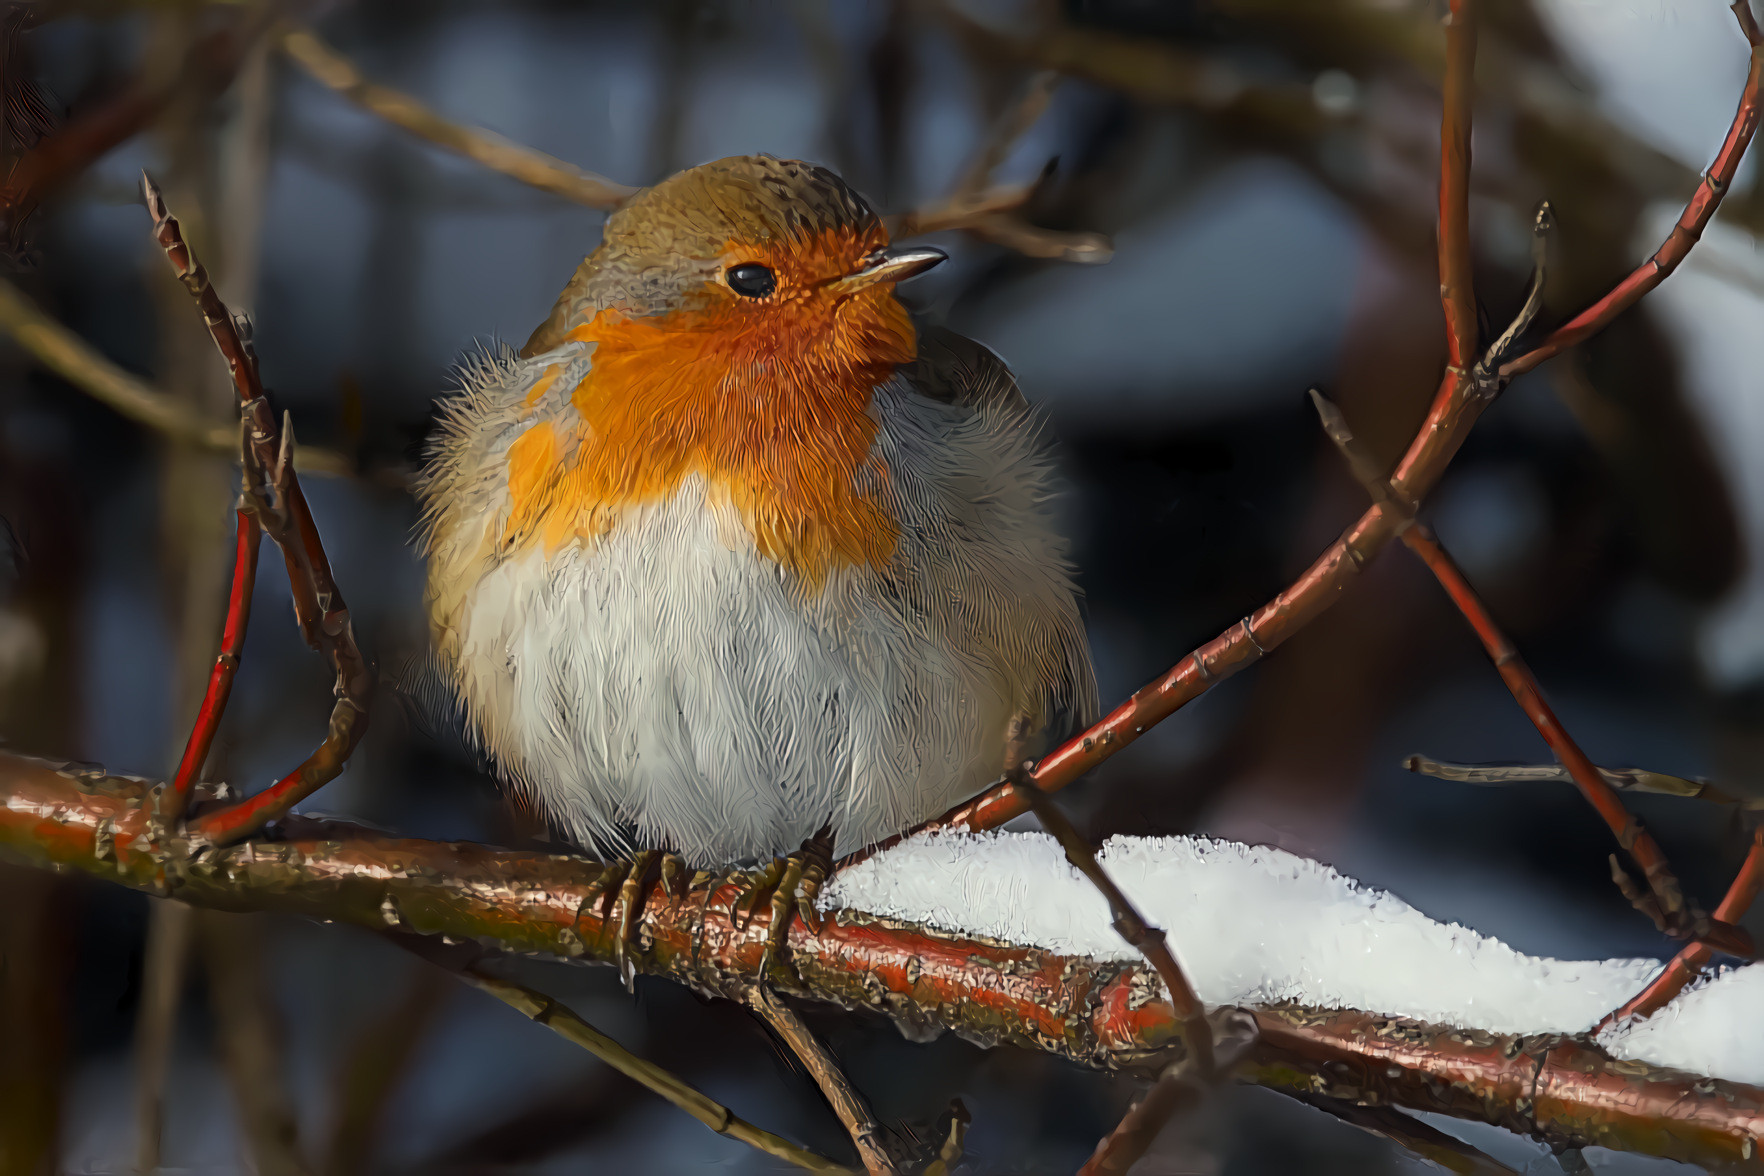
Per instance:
(770,408)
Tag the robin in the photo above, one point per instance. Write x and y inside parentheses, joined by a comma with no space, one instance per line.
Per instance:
(733,557)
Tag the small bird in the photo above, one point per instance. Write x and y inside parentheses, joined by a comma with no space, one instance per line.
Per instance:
(733,551)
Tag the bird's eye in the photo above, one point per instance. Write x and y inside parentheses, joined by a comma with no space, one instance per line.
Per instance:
(751,280)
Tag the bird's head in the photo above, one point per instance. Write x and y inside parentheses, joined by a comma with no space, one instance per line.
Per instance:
(778,253)
(741,314)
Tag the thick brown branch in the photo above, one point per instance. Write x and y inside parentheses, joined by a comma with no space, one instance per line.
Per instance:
(1097,1013)
(1130,925)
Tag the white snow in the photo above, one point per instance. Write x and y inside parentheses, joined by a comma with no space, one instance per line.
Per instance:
(1252,925)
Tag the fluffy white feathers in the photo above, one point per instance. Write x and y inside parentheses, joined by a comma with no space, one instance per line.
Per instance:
(668,686)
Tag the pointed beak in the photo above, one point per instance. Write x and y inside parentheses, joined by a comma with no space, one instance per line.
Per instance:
(888,265)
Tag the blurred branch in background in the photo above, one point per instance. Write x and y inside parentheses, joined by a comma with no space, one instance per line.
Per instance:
(545,172)
(205,69)
(77,362)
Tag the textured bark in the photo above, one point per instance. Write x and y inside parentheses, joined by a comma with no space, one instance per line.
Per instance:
(1107,1015)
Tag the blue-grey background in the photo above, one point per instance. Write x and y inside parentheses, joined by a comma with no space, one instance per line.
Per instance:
(1609,507)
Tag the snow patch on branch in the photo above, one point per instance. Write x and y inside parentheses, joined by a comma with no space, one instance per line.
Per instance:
(1252,925)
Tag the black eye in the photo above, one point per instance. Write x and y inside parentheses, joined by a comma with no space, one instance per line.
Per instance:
(752,280)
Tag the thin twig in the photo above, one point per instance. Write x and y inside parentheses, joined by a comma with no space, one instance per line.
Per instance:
(866,1136)
(1622,779)
(1010,126)
(74,360)
(994,213)
(1665,901)
(1234,1035)
(226,664)
(376,1063)
(273,495)
(1486,373)
(1692,958)
(170,930)
(546,172)
(1684,235)
(952,213)
(1412,1134)
(565,1023)
(1453,413)
(250,1038)
(1130,925)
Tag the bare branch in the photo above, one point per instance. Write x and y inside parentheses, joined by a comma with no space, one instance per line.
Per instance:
(74,360)
(1406,1131)
(1622,779)
(1130,925)
(1691,960)
(1665,901)
(374,1067)
(1685,234)
(1104,1014)
(250,1040)
(1011,126)
(170,930)
(854,1114)
(207,69)
(535,168)
(275,499)
(536,1006)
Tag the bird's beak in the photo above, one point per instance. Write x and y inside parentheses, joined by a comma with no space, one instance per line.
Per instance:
(888,265)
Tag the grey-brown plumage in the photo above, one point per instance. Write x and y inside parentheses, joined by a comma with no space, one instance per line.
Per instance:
(665,673)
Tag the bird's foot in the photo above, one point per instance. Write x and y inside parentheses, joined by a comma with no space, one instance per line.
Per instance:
(790,884)
(620,890)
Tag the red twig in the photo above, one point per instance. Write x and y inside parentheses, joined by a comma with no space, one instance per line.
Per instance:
(275,500)
(1686,233)
(1691,960)
(226,666)
(1456,293)
(1666,901)
(1149,941)
(1456,406)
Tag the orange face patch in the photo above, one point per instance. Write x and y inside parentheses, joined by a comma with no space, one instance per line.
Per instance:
(767,400)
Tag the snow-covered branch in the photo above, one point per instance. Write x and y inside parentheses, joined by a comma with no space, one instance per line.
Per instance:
(1358,996)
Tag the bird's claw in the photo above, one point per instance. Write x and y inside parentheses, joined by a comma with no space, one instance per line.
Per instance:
(790,884)
(620,890)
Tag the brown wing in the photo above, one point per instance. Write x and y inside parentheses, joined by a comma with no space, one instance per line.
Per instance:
(956,370)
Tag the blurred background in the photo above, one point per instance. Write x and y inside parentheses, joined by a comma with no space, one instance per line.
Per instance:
(1265,171)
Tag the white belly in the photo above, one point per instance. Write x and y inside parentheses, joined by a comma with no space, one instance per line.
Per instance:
(666,682)
(665,685)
